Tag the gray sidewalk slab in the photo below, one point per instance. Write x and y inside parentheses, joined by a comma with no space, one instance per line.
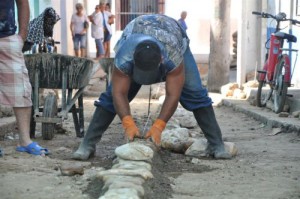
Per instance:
(293,100)
(264,115)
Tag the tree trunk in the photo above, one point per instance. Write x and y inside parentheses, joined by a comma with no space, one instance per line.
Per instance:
(219,58)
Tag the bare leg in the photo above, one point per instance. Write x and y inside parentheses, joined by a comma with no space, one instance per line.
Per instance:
(107,51)
(83,52)
(105,48)
(77,53)
(99,57)
(23,116)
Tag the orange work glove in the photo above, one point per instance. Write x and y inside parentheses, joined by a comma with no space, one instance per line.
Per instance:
(131,129)
(156,130)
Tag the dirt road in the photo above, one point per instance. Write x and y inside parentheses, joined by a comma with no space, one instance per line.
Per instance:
(267,166)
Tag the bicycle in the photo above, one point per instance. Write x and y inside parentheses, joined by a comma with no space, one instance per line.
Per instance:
(277,71)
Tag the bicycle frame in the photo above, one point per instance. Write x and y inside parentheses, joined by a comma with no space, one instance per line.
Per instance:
(287,74)
(274,55)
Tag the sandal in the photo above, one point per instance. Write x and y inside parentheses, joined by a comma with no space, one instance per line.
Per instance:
(33,148)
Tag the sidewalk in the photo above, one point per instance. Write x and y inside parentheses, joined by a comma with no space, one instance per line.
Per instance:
(264,115)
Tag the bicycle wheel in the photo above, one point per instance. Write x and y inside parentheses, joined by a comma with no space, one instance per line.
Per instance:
(263,97)
(281,87)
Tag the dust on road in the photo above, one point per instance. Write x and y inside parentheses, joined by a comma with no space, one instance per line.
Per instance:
(266,166)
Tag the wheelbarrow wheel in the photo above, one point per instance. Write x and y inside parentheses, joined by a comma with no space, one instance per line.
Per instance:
(49,110)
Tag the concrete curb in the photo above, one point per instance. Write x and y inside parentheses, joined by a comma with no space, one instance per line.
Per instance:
(7,124)
(264,115)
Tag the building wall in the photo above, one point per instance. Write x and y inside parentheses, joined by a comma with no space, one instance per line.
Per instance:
(289,7)
(198,21)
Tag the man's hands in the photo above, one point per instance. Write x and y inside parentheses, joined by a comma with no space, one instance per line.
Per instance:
(156,130)
(131,130)
(130,127)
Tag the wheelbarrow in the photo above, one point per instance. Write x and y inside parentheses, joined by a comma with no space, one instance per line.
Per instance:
(107,65)
(56,71)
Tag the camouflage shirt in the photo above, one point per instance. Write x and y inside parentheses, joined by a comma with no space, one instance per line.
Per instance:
(7,18)
(163,30)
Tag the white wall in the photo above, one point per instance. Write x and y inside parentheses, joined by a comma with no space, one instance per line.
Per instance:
(198,22)
(296,32)
(198,19)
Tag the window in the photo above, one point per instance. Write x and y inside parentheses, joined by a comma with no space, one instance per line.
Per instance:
(127,10)
(297,8)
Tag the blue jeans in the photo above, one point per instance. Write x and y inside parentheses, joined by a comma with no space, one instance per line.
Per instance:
(99,47)
(79,41)
(193,95)
(107,36)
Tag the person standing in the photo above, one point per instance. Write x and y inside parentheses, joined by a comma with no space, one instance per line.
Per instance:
(145,57)
(111,18)
(107,29)
(79,26)
(97,31)
(182,20)
(15,88)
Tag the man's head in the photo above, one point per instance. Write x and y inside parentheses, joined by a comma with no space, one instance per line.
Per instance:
(183,15)
(102,6)
(107,7)
(97,8)
(79,7)
(147,58)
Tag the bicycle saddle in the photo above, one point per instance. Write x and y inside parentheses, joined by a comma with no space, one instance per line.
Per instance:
(288,37)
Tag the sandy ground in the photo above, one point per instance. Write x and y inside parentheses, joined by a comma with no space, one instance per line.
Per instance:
(267,166)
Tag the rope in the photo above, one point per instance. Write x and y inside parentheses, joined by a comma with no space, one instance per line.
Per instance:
(149,105)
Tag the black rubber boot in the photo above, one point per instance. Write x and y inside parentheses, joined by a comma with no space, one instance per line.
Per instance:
(206,119)
(100,122)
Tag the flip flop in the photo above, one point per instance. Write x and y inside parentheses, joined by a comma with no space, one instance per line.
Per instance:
(33,148)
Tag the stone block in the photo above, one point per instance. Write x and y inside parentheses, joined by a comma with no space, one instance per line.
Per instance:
(121,193)
(144,173)
(283,114)
(227,89)
(175,139)
(296,114)
(197,149)
(71,169)
(134,151)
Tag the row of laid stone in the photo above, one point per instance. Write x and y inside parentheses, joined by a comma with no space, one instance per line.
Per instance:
(132,167)
(178,140)
(130,170)
(183,135)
